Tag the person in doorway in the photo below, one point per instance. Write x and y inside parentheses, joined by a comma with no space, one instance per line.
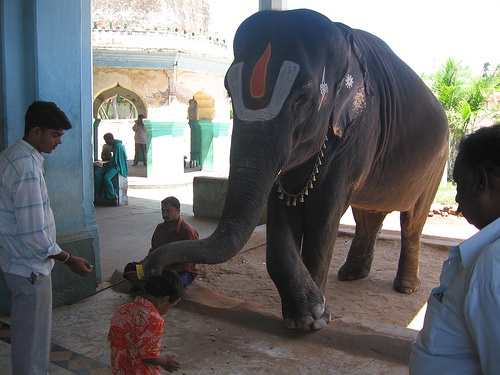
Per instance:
(103,187)
(173,229)
(461,332)
(137,328)
(140,140)
(106,152)
(28,245)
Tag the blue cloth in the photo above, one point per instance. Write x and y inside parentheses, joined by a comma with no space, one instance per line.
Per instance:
(130,267)
(186,278)
(103,187)
(461,332)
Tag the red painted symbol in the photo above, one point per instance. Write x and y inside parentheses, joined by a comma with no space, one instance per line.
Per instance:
(258,81)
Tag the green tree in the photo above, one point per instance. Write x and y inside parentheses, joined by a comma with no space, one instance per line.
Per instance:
(464,99)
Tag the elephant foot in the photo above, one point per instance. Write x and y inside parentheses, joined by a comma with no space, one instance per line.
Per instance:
(298,319)
(407,285)
(354,271)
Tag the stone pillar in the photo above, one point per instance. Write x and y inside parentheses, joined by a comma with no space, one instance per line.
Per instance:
(210,143)
(165,150)
(95,135)
(273,4)
(31,33)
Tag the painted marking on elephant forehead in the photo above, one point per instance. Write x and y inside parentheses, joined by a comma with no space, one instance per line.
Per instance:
(286,78)
(258,80)
(323,89)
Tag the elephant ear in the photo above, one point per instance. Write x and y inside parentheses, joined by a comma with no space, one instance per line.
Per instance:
(352,90)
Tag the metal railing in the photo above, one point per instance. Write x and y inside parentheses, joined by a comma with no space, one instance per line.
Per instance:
(159,40)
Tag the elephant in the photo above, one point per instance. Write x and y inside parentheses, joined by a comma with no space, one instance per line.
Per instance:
(325,117)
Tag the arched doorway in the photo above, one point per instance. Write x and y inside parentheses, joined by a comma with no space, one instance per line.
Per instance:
(134,98)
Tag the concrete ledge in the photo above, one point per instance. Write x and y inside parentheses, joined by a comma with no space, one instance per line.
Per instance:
(121,187)
(122,183)
(258,238)
(209,196)
(66,286)
(441,243)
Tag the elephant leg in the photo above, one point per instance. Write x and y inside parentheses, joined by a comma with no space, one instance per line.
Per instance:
(317,250)
(360,256)
(412,223)
(407,278)
(303,302)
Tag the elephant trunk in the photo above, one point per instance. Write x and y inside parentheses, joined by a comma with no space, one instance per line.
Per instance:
(248,189)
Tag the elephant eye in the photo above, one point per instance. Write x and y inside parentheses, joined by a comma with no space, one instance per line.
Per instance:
(303,102)
(302,98)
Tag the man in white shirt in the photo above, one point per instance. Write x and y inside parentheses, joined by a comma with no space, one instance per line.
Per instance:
(461,332)
(140,138)
(27,237)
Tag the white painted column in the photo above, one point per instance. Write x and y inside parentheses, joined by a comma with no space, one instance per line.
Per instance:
(273,4)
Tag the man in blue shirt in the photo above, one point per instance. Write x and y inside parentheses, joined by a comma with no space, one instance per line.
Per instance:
(461,332)
(27,237)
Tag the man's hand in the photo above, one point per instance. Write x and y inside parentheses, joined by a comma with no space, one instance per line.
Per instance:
(79,265)
(170,364)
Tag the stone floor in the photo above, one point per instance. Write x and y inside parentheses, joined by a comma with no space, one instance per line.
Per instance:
(80,329)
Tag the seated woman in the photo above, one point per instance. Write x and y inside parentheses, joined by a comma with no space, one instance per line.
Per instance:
(103,187)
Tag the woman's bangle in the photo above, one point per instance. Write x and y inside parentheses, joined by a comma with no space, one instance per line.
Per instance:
(65,260)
